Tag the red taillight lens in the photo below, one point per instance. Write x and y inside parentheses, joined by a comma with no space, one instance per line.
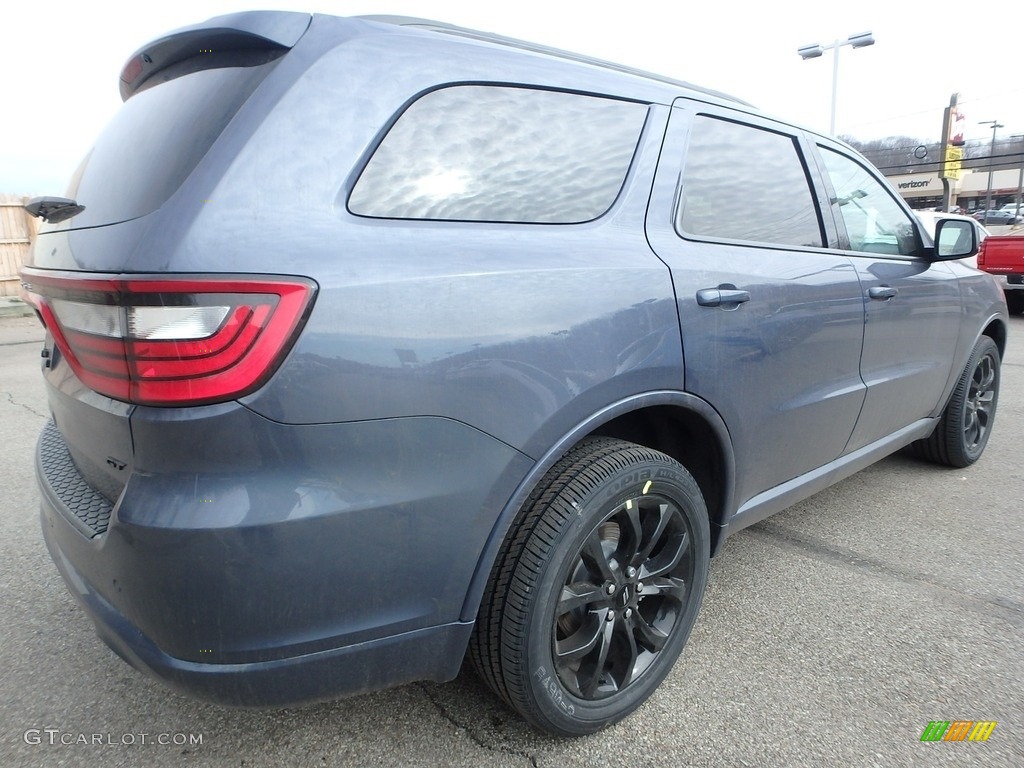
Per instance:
(981,254)
(180,341)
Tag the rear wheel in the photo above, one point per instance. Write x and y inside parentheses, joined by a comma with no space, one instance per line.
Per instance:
(596,589)
(965,426)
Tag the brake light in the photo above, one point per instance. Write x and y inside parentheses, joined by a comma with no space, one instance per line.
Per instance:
(981,254)
(178,341)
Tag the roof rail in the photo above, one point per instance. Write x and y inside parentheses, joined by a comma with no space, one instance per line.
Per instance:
(511,42)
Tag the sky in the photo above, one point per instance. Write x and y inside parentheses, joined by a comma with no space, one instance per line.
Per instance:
(60,60)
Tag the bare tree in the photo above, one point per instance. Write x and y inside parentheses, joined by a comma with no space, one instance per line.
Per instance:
(1008,154)
(896,155)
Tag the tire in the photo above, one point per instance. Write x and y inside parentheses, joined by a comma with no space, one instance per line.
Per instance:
(963,431)
(596,588)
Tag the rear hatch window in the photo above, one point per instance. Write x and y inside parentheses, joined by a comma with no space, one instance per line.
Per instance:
(156,140)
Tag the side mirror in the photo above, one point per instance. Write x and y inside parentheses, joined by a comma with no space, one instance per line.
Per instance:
(955,239)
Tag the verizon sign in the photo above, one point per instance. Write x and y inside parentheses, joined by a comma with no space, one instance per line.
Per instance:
(914,184)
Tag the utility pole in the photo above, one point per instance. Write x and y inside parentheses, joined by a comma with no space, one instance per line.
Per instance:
(1020,176)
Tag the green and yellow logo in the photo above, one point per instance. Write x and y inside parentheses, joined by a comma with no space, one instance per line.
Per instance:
(958,730)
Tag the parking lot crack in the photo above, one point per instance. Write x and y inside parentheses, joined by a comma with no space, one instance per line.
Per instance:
(1002,607)
(30,409)
(469,731)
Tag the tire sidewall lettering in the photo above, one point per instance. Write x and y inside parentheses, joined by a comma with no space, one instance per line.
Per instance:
(633,483)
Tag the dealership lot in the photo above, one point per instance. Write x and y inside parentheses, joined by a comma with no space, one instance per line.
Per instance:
(831,634)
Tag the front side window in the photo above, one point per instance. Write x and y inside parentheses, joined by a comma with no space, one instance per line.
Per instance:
(741,182)
(501,154)
(874,221)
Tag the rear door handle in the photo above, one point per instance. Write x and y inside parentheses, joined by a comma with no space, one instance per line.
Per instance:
(882,292)
(723,296)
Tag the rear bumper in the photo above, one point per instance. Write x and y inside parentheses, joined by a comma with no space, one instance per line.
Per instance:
(434,653)
(297,583)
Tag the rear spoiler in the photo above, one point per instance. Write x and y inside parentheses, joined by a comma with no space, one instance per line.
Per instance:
(239,39)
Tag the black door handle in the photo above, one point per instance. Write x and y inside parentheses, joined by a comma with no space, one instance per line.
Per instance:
(723,296)
(882,292)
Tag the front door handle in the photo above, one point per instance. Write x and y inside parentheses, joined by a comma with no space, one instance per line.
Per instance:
(882,292)
(723,296)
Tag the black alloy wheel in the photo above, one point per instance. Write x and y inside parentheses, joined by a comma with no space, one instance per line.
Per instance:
(625,590)
(979,408)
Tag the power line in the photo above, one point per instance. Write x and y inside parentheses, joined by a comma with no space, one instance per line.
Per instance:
(973,143)
(983,161)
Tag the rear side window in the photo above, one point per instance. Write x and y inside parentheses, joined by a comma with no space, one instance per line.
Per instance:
(741,182)
(501,154)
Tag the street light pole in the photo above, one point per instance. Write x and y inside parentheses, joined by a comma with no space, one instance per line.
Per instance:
(835,88)
(991,163)
(862,40)
(1020,189)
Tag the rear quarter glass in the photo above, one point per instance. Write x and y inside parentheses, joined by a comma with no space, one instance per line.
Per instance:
(485,153)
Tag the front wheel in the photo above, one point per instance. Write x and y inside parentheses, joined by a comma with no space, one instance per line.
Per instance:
(596,589)
(966,423)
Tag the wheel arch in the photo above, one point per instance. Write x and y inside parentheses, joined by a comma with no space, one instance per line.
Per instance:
(675,423)
(995,327)
(996,330)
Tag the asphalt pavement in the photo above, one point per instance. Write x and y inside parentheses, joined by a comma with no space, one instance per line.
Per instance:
(831,634)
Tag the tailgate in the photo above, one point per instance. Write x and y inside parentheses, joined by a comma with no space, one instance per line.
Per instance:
(1002,255)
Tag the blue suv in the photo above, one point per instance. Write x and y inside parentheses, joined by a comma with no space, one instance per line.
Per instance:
(375,344)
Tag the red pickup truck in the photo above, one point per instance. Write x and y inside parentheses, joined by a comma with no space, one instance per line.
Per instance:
(1003,256)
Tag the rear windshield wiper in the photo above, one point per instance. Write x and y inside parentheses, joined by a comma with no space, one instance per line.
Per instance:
(53,209)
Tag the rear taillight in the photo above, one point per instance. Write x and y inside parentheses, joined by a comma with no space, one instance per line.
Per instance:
(179,341)
(981,254)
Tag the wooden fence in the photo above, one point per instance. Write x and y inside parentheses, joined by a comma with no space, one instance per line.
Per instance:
(17,229)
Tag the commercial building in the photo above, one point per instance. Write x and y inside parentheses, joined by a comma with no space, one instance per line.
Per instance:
(924,190)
